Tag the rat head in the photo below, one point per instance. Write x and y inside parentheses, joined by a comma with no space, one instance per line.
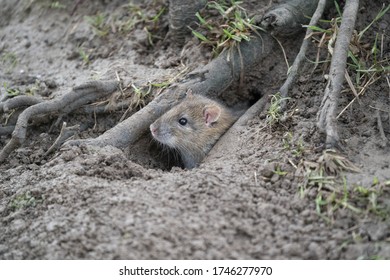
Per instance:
(190,126)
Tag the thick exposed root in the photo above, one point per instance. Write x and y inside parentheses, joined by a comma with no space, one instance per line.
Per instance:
(287,19)
(65,104)
(327,114)
(209,80)
(18,102)
(181,14)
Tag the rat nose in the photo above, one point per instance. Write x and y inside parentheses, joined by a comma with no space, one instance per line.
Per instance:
(153,129)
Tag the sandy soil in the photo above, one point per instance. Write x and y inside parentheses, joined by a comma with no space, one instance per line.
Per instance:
(248,200)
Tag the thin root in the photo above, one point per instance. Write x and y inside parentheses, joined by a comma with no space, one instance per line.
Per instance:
(66,133)
(380,128)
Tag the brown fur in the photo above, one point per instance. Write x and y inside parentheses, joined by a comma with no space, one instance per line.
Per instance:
(206,119)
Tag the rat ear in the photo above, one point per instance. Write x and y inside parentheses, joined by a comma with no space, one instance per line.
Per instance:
(189,93)
(211,114)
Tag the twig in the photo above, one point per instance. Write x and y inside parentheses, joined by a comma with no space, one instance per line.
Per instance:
(293,71)
(380,128)
(292,163)
(379,109)
(327,114)
(284,53)
(351,86)
(363,90)
(388,83)
(66,133)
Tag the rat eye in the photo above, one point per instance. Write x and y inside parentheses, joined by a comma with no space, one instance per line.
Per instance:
(183,121)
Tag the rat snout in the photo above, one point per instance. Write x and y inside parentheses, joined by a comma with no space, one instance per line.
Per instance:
(161,133)
(153,129)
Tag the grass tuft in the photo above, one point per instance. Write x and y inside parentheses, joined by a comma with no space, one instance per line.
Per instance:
(24,200)
(223,24)
(366,63)
(274,113)
(333,193)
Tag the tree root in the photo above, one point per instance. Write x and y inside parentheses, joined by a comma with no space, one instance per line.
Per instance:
(293,71)
(181,14)
(18,102)
(286,19)
(327,115)
(66,133)
(210,80)
(380,128)
(79,96)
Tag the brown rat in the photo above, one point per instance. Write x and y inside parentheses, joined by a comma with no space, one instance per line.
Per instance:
(193,127)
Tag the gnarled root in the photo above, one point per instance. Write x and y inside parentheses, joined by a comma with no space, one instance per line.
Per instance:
(18,102)
(286,19)
(79,96)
